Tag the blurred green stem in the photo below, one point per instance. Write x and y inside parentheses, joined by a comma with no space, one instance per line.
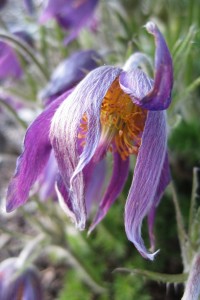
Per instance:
(195,194)
(13,113)
(182,235)
(74,262)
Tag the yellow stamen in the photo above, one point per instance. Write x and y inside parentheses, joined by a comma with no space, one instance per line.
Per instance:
(121,119)
(124,118)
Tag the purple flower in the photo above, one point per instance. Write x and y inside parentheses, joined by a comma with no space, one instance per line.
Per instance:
(9,62)
(2,3)
(72,15)
(16,283)
(69,72)
(109,110)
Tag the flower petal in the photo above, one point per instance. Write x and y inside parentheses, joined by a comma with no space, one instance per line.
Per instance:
(85,99)
(70,71)
(159,97)
(146,178)
(34,158)
(48,178)
(94,175)
(165,178)
(115,187)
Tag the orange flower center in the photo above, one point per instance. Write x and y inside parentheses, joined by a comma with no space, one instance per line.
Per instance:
(122,121)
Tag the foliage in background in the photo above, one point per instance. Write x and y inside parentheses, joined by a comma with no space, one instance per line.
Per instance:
(119,34)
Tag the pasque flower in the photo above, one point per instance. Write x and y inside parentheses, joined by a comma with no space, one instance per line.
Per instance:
(16,283)
(109,110)
(72,15)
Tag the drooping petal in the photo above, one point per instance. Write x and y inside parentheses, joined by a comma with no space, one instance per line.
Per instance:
(146,178)
(85,99)
(165,178)
(159,97)
(48,178)
(94,180)
(34,158)
(115,187)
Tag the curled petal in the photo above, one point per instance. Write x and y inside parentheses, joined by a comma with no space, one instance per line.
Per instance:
(34,158)
(159,97)
(165,178)
(146,178)
(115,187)
(85,99)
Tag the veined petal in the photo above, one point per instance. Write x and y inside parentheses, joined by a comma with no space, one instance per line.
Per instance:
(159,97)
(146,178)
(115,187)
(85,99)
(165,178)
(34,158)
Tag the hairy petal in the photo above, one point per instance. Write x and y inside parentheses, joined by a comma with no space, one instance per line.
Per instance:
(85,99)
(165,178)
(159,97)
(146,178)
(34,158)
(115,187)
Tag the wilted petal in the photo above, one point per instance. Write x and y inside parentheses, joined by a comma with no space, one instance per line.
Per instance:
(115,187)
(165,178)
(159,97)
(146,178)
(34,158)
(85,99)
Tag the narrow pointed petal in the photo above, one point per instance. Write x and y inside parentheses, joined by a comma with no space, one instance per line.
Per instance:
(146,178)
(48,179)
(165,178)
(34,158)
(115,187)
(94,181)
(159,97)
(85,99)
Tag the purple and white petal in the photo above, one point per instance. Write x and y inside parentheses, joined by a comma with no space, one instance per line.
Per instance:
(85,99)
(146,178)
(165,178)
(115,187)
(34,158)
(159,97)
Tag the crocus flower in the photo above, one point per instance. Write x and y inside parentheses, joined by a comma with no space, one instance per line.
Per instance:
(72,15)
(9,62)
(19,284)
(109,110)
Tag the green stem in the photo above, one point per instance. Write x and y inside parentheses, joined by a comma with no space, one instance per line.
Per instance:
(194,197)
(25,49)
(161,277)
(13,113)
(73,261)
(182,236)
